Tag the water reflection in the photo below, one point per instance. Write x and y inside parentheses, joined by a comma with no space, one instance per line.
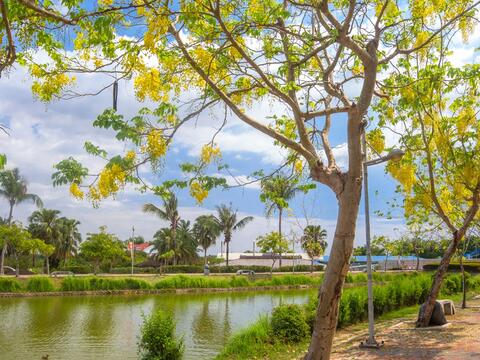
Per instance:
(107,327)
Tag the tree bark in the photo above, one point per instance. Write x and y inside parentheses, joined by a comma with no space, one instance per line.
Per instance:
(204,257)
(426,313)
(418,262)
(337,269)
(227,249)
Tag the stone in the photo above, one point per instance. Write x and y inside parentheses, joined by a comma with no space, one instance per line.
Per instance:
(448,307)
(438,315)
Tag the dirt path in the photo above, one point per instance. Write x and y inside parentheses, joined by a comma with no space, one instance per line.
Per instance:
(458,340)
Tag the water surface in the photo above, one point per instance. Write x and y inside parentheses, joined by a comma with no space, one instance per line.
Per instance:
(107,327)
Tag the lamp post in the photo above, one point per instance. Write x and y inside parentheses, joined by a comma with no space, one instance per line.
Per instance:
(396,155)
(132,250)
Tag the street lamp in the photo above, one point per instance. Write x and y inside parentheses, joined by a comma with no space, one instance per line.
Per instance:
(395,155)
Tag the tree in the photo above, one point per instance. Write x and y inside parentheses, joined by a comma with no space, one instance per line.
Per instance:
(305,58)
(44,224)
(277,191)
(13,188)
(170,214)
(226,220)
(437,111)
(385,245)
(101,247)
(272,243)
(206,231)
(314,241)
(69,238)
(186,244)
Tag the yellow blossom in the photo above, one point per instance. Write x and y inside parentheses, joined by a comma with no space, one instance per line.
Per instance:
(156,145)
(209,153)
(76,192)
(198,192)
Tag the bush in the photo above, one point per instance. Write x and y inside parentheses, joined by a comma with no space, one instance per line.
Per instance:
(9,285)
(40,284)
(77,269)
(289,323)
(157,340)
(470,266)
(94,283)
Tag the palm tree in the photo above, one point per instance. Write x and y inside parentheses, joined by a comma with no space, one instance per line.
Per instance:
(276,192)
(206,231)
(314,241)
(226,220)
(13,187)
(44,225)
(185,242)
(170,214)
(70,238)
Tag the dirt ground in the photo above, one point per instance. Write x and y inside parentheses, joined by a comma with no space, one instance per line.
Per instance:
(457,340)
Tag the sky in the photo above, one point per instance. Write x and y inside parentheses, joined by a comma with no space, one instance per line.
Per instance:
(41,135)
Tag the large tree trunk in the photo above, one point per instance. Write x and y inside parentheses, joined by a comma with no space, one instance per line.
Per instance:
(426,313)
(204,257)
(337,269)
(418,262)
(174,242)
(4,247)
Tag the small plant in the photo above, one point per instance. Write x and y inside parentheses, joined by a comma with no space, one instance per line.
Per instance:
(289,323)
(9,285)
(40,284)
(158,340)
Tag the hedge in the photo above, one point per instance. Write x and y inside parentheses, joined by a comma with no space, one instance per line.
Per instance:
(470,266)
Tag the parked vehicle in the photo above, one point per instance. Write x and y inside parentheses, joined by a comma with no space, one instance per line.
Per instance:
(245,272)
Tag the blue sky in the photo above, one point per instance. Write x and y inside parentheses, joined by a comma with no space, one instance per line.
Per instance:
(42,135)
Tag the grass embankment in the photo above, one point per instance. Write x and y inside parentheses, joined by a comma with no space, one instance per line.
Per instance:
(400,296)
(43,284)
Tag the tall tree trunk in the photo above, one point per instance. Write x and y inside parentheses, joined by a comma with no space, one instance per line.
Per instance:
(311,266)
(204,257)
(17,267)
(174,242)
(337,269)
(418,262)
(386,259)
(48,266)
(4,247)
(426,313)
(227,245)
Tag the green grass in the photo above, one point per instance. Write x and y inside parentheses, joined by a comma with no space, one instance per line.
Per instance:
(40,284)
(94,284)
(9,285)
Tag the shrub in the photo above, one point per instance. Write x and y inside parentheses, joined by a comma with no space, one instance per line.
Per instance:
(71,283)
(40,284)
(470,266)
(9,285)
(77,269)
(289,323)
(157,340)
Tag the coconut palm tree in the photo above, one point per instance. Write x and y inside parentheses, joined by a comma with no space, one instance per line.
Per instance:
(185,242)
(70,238)
(44,225)
(313,241)
(206,231)
(227,222)
(277,191)
(13,188)
(170,214)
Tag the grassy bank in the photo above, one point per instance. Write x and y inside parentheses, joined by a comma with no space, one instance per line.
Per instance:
(97,283)
(260,340)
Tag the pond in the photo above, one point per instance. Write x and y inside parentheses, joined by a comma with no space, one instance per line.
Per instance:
(107,327)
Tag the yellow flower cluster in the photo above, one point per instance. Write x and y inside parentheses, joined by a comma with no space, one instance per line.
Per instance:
(156,145)
(198,192)
(105,3)
(376,140)
(75,191)
(147,85)
(157,27)
(209,153)
(109,182)
(51,85)
(130,155)
(298,166)
(404,173)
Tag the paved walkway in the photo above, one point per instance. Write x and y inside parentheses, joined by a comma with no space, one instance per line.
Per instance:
(457,340)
